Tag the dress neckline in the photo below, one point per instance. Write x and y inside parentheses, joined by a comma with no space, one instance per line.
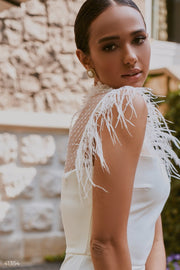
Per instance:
(100,88)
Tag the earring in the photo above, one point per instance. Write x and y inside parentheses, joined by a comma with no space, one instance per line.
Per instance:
(91,73)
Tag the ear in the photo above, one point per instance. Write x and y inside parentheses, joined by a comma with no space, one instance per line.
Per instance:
(83,58)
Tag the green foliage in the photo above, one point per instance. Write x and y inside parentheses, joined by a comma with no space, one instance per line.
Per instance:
(56,258)
(171,266)
(171,213)
(173,262)
(173,114)
(171,220)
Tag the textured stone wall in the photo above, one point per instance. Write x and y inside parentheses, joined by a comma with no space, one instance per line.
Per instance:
(38,68)
(163,34)
(141,5)
(31,167)
(38,72)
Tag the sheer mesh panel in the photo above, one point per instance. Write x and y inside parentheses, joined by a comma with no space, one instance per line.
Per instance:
(78,128)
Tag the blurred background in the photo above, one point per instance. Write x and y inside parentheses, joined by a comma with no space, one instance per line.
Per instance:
(41,86)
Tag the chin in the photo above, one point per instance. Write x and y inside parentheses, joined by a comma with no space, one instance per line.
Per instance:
(137,84)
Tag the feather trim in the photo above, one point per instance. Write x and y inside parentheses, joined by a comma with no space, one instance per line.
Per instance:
(157,135)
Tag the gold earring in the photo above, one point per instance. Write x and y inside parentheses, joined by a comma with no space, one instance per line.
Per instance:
(91,73)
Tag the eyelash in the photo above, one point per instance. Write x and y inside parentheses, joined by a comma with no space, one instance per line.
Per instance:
(109,47)
(137,41)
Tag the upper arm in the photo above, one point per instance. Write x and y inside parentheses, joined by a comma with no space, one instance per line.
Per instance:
(158,231)
(157,256)
(111,209)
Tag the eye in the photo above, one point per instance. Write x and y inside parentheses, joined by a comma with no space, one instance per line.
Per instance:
(139,40)
(110,47)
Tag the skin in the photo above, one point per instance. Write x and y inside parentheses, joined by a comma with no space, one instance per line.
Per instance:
(157,257)
(120,55)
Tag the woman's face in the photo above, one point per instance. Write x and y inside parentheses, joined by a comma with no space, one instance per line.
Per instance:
(119,47)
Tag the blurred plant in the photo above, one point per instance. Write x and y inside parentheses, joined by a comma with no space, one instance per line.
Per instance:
(173,262)
(171,213)
(55,258)
(173,113)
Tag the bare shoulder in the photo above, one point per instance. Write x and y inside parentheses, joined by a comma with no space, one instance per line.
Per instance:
(139,118)
(132,113)
(140,104)
(137,103)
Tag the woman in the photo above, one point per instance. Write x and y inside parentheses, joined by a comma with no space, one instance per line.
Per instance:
(116,174)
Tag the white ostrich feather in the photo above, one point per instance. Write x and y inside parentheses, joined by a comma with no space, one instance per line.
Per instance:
(158,136)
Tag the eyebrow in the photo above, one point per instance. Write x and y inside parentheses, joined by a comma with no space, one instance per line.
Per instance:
(118,37)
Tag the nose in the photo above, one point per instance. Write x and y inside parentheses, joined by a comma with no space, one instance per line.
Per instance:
(130,57)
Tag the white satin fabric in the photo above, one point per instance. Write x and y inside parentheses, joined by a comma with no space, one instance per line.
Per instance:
(151,189)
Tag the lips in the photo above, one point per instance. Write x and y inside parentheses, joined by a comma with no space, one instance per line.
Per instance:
(132,73)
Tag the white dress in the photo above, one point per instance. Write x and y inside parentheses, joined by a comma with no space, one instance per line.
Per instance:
(151,183)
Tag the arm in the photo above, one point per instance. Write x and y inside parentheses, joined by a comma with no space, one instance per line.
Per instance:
(157,256)
(109,246)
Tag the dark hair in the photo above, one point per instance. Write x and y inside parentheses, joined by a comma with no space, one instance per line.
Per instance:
(89,11)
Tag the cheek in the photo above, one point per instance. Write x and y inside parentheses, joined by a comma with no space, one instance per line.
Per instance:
(105,64)
(145,56)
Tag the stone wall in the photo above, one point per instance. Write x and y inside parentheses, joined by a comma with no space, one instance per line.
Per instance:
(163,34)
(38,67)
(141,5)
(31,167)
(39,73)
